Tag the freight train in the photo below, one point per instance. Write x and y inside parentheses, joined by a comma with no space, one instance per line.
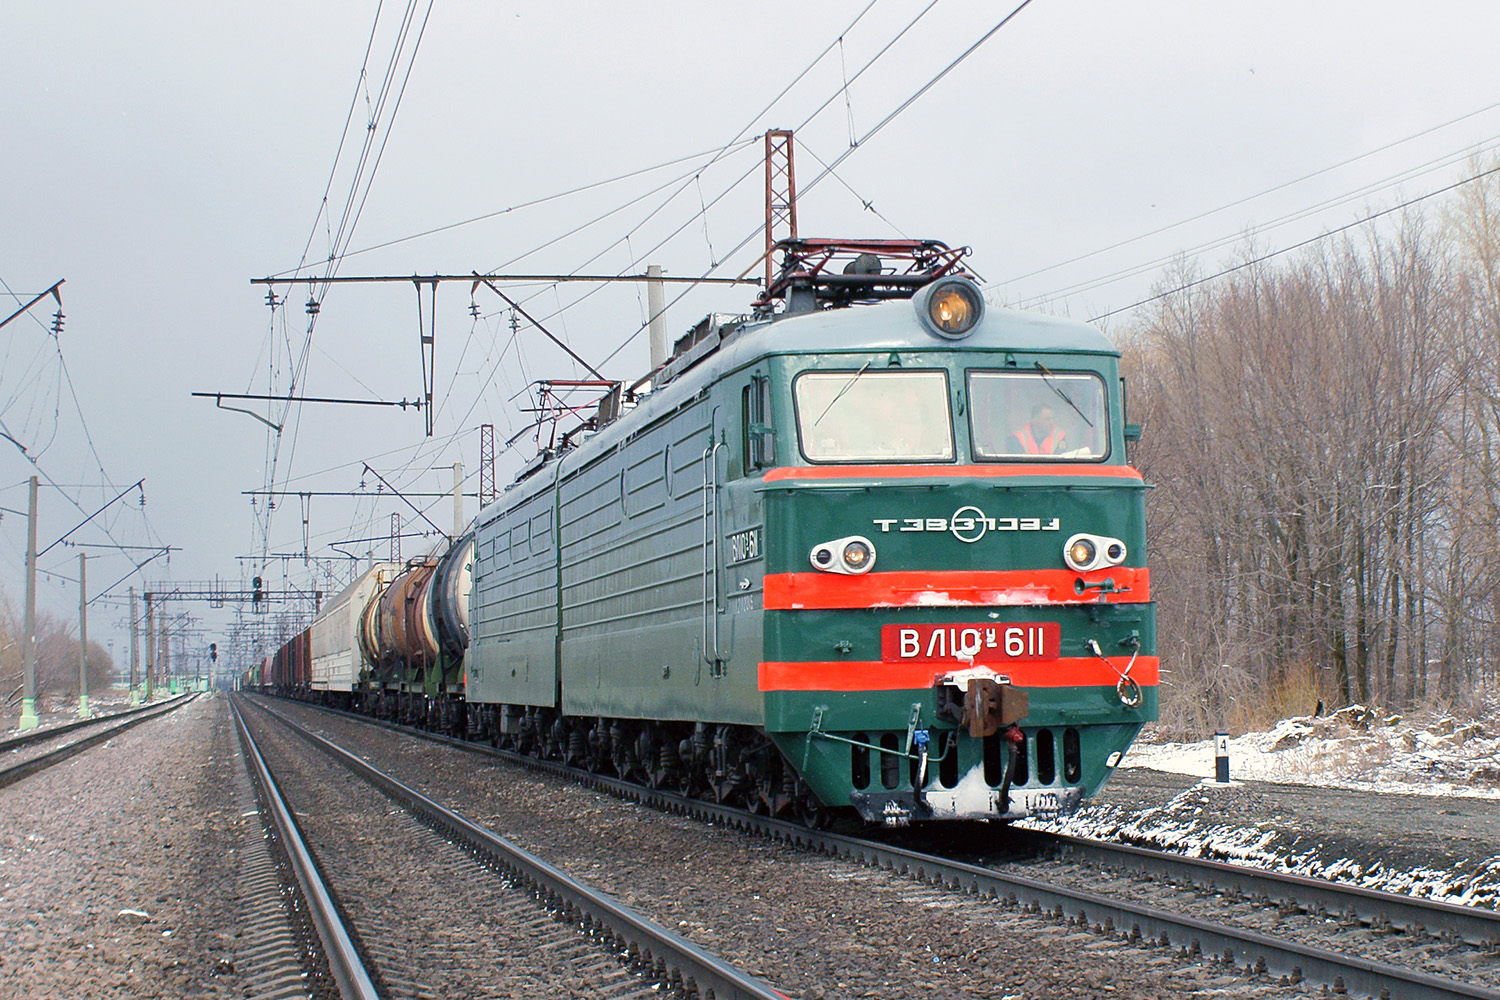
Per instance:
(872,546)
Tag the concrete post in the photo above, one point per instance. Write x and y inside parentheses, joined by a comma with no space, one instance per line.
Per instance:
(148,679)
(164,656)
(656,307)
(135,652)
(83,636)
(28,637)
(458,499)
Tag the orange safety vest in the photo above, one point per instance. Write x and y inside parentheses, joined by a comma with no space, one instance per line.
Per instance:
(1049,446)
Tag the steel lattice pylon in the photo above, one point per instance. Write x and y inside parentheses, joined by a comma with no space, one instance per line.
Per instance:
(781,193)
(487,488)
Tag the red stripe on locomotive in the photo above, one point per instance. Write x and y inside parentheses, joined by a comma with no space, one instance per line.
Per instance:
(953,588)
(950,471)
(865,675)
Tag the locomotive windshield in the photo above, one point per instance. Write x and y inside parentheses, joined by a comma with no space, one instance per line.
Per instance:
(1038,415)
(865,416)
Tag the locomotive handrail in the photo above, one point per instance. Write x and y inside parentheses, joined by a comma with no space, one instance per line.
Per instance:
(711,654)
(703,614)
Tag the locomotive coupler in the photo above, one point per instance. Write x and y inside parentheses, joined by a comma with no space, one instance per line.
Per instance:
(981,700)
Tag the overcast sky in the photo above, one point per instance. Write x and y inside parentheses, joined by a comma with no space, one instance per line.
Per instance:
(160,155)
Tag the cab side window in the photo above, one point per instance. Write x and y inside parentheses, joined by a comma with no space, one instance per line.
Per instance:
(757,442)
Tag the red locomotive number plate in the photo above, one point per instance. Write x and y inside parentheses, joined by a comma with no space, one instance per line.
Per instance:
(969,643)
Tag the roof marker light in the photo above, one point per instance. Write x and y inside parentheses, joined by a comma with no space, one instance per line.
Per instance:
(950,307)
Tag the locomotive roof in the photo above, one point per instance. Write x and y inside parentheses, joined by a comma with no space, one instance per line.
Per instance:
(895,326)
(887,326)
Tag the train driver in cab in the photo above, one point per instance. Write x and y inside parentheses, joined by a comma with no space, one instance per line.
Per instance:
(1041,435)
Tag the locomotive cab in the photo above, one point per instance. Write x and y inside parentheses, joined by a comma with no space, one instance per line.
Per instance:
(957,605)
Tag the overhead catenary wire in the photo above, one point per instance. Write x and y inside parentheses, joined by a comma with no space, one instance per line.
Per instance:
(695,179)
(359,190)
(703,209)
(1298,215)
(755,167)
(1386,147)
(33,455)
(830,168)
(519,206)
(1329,234)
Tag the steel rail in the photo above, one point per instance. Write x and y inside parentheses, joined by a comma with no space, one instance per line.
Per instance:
(344,963)
(1371,906)
(15,772)
(652,945)
(38,735)
(1262,953)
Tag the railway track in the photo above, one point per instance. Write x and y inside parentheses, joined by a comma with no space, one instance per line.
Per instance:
(1383,911)
(344,963)
(1376,927)
(25,755)
(486,866)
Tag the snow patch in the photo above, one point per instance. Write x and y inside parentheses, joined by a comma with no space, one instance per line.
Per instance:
(1354,748)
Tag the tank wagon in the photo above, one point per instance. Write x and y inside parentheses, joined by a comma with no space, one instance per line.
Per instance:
(391,643)
(871,546)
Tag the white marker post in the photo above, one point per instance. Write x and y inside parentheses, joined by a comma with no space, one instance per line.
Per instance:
(1221,757)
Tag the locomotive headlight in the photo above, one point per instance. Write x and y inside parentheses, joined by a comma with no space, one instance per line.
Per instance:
(849,556)
(950,307)
(1088,552)
(857,555)
(1081,554)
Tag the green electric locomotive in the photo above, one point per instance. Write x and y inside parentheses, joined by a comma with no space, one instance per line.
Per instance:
(872,546)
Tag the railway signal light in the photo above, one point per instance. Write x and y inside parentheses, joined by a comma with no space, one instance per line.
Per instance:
(256,593)
(213,652)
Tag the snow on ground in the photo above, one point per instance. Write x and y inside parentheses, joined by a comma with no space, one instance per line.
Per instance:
(1354,748)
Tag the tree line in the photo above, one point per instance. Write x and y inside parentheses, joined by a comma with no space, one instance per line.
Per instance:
(56,658)
(1324,434)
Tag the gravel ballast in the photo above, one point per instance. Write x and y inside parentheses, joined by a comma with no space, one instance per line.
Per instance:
(815,927)
(117,874)
(117,866)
